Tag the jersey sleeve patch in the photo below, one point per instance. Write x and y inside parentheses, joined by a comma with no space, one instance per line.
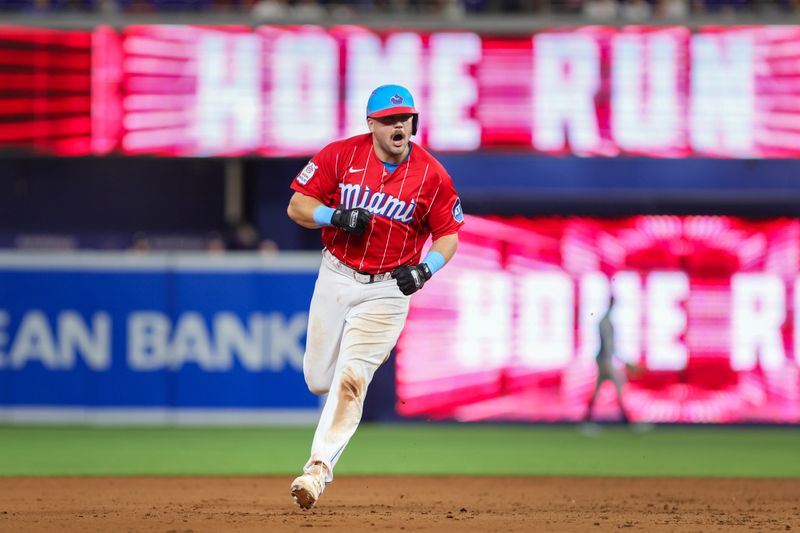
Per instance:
(458,213)
(307,173)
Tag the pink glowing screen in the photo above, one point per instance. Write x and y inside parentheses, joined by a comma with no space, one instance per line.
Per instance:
(705,310)
(182,90)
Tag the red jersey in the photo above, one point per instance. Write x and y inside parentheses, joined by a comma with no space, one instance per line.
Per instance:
(416,200)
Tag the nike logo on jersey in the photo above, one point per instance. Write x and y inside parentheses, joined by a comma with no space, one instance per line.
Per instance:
(377,203)
(354,170)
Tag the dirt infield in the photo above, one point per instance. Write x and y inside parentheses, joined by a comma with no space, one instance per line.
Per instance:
(399,503)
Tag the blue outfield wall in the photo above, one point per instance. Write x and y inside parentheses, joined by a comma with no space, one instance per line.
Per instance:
(625,185)
(155,338)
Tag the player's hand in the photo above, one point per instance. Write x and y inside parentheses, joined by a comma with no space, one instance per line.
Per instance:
(353,220)
(410,279)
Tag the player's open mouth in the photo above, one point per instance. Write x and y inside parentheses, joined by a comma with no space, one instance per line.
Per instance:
(397,139)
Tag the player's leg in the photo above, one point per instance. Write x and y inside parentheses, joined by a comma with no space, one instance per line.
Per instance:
(326,316)
(371,331)
(599,381)
(619,382)
(333,295)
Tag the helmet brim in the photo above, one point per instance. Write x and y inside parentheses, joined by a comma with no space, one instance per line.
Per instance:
(389,111)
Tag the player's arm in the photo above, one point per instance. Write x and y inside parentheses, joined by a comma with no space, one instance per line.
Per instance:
(311,213)
(301,210)
(411,278)
(444,246)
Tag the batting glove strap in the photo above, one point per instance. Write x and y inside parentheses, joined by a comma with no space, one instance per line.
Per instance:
(410,279)
(351,220)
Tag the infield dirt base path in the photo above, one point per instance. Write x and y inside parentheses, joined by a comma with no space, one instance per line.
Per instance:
(358,503)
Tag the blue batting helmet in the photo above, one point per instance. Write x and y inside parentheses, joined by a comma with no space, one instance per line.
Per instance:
(389,100)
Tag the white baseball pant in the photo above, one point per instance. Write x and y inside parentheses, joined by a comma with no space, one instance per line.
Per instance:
(352,328)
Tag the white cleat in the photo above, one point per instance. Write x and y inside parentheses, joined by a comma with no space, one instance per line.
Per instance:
(307,489)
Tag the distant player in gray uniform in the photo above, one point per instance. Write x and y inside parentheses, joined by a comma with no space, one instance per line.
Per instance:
(606,370)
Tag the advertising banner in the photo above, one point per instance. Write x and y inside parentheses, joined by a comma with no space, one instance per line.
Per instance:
(154,335)
(704,322)
(219,91)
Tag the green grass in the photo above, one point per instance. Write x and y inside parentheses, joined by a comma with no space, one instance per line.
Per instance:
(404,449)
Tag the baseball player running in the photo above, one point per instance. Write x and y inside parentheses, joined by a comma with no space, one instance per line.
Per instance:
(377,198)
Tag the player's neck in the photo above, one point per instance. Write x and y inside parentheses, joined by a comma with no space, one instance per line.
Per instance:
(387,157)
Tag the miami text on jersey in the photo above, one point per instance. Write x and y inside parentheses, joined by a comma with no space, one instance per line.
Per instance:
(377,203)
